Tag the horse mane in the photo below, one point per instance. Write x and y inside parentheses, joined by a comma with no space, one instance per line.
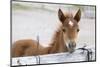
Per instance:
(59,30)
(68,15)
(57,42)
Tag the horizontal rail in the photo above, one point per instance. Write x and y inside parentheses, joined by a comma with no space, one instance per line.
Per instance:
(77,56)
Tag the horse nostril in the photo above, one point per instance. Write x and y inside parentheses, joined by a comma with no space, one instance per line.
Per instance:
(75,45)
(71,46)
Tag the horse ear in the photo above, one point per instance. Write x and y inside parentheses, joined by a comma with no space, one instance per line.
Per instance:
(61,15)
(78,15)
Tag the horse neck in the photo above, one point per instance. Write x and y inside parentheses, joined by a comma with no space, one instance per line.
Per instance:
(58,43)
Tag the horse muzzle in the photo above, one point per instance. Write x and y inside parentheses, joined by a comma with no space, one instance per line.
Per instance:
(71,46)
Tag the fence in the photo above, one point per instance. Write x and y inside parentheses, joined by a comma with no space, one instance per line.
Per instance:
(79,55)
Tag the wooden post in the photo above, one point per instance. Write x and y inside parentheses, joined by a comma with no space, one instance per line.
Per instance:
(38,57)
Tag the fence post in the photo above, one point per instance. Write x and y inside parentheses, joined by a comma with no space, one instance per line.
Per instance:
(37,57)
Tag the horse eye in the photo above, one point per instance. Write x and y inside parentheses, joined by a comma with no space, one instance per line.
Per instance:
(78,30)
(63,30)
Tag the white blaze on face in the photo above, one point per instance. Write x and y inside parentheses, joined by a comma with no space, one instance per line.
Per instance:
(71,23)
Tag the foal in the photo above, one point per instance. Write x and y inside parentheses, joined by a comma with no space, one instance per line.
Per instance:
(64,39)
